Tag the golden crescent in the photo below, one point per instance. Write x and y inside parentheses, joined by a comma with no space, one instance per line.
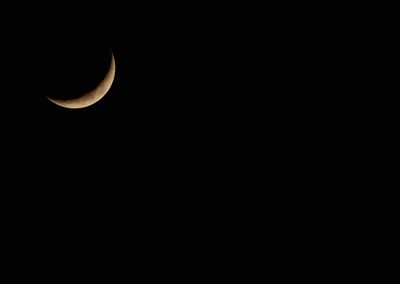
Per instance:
(93,96)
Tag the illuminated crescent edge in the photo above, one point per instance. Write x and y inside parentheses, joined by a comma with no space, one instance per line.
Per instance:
(93,96)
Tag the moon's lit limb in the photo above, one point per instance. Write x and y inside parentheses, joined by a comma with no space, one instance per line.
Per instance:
(93,96)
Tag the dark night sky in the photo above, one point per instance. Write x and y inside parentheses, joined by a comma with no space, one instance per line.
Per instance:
(173,155)
(165,112)
(169,123)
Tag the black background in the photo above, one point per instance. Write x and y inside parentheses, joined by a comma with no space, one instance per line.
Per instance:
(154,155)
(163,157)
(165,118)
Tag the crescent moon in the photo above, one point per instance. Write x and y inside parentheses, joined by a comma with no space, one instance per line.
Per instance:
(93,96)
